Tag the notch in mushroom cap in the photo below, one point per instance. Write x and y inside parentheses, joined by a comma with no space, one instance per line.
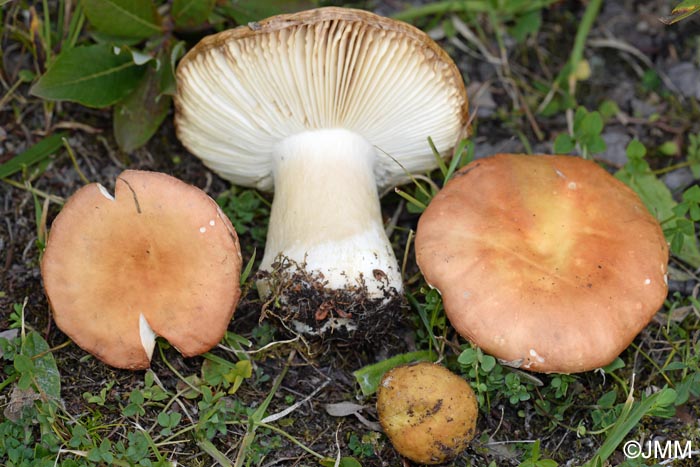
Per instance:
(547,262)
(326,105)
(157,258)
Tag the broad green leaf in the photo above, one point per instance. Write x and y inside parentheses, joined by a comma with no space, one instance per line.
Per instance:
(635,149)
(591,124)
(614,365)
(695,212)
(488,363)
(666,396)
(658,199)
(191,13)
(137,117)
(468,356)
(595,144)
(45,372)
(692,194)
(669,148)
(23,364)
(564,144)
(370,376)
(92,75)
(34,154)
(344,462)
(246,11)
(167,76)
(102,38)
(682,11)
(528,23)
(608,109)
(123,18)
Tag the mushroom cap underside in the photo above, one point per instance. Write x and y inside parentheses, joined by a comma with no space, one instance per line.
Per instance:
(428,412)
(242,91)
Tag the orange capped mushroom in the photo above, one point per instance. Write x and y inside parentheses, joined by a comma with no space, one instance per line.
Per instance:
(157,258)
(547,262)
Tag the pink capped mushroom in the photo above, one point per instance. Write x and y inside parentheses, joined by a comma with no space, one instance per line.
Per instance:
(547,262)
(158,258)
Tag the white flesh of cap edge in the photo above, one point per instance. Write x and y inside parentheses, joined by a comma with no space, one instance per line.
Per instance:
(148,337)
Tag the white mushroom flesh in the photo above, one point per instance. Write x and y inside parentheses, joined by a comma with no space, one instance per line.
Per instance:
(148,337)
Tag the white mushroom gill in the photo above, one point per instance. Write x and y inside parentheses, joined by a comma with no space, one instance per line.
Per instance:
(148,337)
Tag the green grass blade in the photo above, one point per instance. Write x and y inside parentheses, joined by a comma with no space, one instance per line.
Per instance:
(438,158)
(629,418)
(248,268)
(369,377)
(464,148)
(208,447)
(423,317)
(411,199)
(41,150)
(681,11)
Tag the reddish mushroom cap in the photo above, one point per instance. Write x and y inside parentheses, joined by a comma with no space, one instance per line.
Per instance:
(547,262)
(158,258)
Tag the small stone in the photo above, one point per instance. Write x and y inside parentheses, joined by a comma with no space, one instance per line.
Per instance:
(642,108)
(481,99)
(483,148)
(616,142)
(686,77)
(679,179)
(10,333)
(19,399)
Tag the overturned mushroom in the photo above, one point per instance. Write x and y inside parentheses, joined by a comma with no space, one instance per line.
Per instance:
(157,258)
(324,106)
(546,262)
(428,412)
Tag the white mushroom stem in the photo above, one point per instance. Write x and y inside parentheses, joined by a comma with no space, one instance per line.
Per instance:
(326,211)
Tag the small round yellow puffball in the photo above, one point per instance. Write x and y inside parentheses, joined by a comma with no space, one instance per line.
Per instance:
(428,412)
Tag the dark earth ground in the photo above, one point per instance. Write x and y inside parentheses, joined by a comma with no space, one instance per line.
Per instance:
(618,73)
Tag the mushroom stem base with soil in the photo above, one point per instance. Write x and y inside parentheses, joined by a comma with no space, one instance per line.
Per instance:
(328,262)
(326,214)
